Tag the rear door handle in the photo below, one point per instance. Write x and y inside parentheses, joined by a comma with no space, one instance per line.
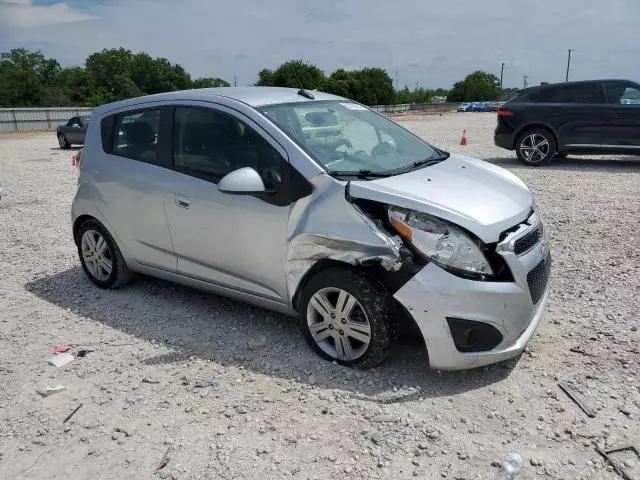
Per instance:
(181,201)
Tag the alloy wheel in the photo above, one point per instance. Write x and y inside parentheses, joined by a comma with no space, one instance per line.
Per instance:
(96,255)
(338,324)
(534,147)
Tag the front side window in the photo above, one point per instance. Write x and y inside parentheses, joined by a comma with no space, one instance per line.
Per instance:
(621,94)
(136,135)
(209,144)
(347,138)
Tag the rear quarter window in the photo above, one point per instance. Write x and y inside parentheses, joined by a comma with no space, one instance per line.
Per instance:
(106,133)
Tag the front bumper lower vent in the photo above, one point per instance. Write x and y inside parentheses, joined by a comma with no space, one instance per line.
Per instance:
(538,278)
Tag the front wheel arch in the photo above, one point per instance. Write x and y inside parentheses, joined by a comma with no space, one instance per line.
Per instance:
(317,267)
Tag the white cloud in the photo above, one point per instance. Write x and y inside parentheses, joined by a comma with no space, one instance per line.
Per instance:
(24,14)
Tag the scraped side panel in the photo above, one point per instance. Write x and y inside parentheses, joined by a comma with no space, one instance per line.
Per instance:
(327,226)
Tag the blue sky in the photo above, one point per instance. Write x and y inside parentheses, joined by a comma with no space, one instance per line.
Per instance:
(433,43)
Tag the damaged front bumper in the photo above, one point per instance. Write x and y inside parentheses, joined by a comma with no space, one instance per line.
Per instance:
(468,323)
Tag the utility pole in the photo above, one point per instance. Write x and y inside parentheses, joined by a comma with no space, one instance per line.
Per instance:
(501,74)
(526,83)
(396,79)
(568,64)
(235,80)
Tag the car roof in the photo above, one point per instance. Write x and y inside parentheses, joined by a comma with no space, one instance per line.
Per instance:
(252,96)
(569,84)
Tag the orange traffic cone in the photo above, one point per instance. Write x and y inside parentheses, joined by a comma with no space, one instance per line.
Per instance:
(463,140)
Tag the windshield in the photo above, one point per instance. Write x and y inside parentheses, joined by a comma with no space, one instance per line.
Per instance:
(86,119)
(348,138)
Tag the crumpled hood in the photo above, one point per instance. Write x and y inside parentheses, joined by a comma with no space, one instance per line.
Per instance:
(481,197)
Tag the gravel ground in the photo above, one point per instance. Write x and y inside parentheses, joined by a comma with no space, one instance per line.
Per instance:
(266,406)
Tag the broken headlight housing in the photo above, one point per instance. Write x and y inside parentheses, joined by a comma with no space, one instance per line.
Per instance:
(442,243)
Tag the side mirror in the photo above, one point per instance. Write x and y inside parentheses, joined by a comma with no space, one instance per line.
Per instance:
(242,181)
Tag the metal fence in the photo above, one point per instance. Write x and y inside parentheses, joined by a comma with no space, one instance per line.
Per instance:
(406,107)
(22,119)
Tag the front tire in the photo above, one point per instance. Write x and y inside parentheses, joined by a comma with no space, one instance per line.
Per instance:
(62,141)
(347,318)
(100,257)
(536,147)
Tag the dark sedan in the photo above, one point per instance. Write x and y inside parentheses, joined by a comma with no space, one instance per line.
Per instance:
(73,132)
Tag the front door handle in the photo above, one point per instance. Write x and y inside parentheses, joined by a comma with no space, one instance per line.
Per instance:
(182,201)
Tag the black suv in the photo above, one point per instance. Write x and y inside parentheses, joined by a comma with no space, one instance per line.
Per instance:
(599,116)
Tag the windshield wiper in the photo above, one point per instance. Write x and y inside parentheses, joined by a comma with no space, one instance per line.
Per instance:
(420,163)
(359,173)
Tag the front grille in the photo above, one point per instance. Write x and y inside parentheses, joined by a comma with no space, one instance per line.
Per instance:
(537,279)
(528,241)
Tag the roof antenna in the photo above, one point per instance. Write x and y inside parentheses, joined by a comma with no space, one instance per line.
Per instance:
(302,92)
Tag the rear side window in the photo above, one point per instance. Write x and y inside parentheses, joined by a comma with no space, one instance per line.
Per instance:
(585,93)
(135,135)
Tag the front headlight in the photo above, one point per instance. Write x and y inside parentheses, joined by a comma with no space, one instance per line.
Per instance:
(441,242)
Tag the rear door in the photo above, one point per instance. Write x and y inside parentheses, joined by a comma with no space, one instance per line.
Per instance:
(134,181)
(622,130)
(575,112)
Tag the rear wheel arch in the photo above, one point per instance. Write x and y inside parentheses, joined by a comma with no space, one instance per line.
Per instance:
(544,150)
(102,250)
(534,126)
(86,217)
(78,223)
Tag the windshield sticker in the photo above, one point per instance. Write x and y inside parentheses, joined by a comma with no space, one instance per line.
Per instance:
(353,106)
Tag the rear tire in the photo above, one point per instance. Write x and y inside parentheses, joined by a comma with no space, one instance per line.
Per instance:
(100,257)
(536,147)
(62,141)
(347,318)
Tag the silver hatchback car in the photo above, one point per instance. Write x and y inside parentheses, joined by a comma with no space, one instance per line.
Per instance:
(318,207)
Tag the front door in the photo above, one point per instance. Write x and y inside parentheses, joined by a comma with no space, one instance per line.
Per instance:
(74,131)
(235,241)
(623,114)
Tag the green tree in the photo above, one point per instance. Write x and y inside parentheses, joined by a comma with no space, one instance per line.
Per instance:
(375,86)
(370,86)
(265,78)
(76,85)
(209,82)
(310,76)
(478,86)
(508,93)
(118,73)
(26,77)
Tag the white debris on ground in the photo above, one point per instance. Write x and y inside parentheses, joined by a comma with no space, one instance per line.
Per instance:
(206,387)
